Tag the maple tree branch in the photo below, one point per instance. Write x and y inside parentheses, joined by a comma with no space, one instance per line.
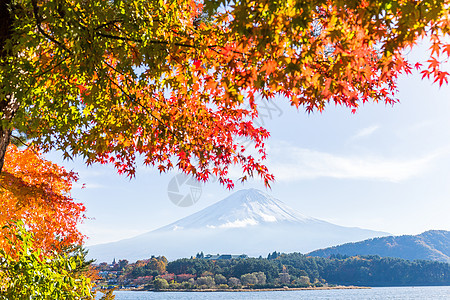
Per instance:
(51,68)
(127,39)
(106,24)
(212,47)
(114,21)
(117,71)
(133,100)
(120,38)
(20,140)
(41,30)
(25,144)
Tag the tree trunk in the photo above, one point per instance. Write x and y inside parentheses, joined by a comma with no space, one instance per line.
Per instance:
(5,136)
(8,105)
(8,108)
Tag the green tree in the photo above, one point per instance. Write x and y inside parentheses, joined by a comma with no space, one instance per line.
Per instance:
(220,279)
(160,284)
(249,279)
(206,281)
(158,264)
(190,266)
(27,273)
(284,278)
(234,282)
(261,277)
(274,255)
(122,264)
(303,281)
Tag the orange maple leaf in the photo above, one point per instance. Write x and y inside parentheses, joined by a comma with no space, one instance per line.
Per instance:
(37,192)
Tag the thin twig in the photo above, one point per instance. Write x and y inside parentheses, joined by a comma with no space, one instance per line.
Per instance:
(51,68)
(20,140)
(29,146)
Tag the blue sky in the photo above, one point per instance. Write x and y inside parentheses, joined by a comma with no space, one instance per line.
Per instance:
(384,168)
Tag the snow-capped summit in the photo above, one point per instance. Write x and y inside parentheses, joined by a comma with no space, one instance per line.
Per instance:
(248,221)
(244,208)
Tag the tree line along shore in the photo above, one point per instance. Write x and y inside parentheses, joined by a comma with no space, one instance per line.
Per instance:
(277,271)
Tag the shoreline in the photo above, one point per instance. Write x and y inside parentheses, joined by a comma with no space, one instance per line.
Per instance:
(255,290)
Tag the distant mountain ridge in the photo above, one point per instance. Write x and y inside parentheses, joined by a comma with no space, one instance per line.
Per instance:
(247,222)
(430,245)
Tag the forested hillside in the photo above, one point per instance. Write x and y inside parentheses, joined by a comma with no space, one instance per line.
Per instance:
(430,245)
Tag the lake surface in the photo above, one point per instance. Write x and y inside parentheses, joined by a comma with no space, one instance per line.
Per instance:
(388,293)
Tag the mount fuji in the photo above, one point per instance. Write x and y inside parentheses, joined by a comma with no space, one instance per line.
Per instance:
(248,221)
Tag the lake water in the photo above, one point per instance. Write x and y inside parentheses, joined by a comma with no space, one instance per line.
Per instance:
(388,293)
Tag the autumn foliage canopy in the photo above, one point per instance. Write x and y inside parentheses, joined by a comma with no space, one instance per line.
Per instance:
(37,192)
(176,82)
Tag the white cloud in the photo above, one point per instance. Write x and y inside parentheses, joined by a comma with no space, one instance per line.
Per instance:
(236,224)
(240,223)
(365,132)
(292,164)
